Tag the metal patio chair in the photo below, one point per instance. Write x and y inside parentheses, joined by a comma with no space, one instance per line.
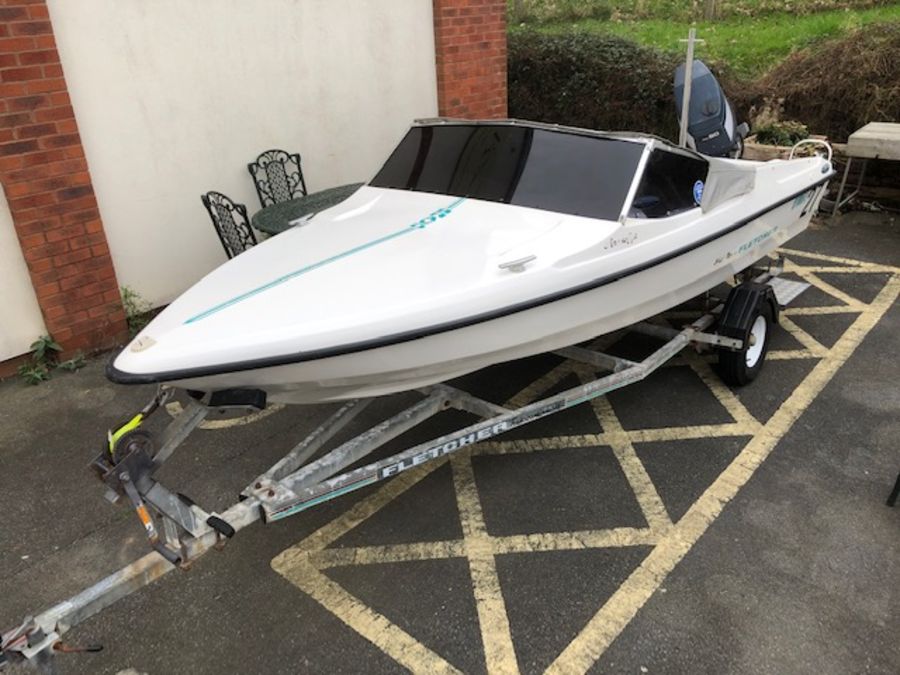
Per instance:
(278,177)
(231,222)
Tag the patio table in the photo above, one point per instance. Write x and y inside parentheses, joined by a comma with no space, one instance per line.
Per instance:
(277,218)
(876,140)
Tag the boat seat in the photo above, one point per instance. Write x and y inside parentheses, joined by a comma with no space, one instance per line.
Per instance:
(647,206)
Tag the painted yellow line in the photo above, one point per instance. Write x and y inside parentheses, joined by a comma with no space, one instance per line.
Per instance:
(830,258)
(692,432)
(496,637)
(573,541)
(812,345)
(387,636)
(618,611)
(723,394)
(390,553)
(836,269)
(790,355)
(644,491)
(540,385)
(174,409)
(354,516)
(634,436)
(824,286)
(516,543)
(826,309)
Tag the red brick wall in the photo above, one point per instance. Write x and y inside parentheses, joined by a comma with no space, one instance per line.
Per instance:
(45,176)
(470,46)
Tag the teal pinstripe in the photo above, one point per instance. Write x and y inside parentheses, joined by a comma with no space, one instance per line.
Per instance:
(418,225)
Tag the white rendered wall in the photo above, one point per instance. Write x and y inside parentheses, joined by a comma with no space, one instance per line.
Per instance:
(21,322)
(174,97)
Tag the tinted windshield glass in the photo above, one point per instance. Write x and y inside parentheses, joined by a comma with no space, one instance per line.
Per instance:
(550,170)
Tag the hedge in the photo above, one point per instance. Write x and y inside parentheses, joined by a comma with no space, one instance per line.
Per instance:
(591,81)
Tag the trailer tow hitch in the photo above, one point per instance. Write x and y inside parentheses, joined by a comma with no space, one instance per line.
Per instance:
(126,466)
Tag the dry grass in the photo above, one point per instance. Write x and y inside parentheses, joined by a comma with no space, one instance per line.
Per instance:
(841,85)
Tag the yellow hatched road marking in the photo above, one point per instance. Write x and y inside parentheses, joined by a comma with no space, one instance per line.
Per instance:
(648,498)
(496,636)
(391,639)
(304,562)
(837,269)
(862,265)
(812,345)
(812,279)
(539,386)
(790,354)
(747,422)
(606,625)
(815,311)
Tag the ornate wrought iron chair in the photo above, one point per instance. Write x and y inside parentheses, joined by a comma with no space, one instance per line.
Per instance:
(278,177)
(231,222)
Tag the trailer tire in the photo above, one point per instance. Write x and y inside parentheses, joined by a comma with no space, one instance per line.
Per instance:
(741,367)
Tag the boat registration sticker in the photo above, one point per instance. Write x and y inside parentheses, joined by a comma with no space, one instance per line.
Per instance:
(698,192)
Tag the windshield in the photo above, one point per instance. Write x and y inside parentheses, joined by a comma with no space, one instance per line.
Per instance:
(549,170)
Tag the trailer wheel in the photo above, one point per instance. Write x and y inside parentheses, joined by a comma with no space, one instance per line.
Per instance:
(741,367)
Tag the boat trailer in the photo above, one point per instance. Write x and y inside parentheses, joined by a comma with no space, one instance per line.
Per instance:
(180,531)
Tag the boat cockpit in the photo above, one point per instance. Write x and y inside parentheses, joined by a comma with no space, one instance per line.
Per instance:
(561,169)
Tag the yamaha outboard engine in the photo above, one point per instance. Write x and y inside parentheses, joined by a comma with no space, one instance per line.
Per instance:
(711,123)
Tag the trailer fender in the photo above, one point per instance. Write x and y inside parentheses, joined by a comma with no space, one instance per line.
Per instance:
(743,303)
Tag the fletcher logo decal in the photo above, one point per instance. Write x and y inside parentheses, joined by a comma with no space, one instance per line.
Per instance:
(746,246)
(469,439)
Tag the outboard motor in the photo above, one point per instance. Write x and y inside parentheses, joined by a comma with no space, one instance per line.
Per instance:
(711,122)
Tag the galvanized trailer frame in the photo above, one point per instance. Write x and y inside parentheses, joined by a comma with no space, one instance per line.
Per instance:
(294,483)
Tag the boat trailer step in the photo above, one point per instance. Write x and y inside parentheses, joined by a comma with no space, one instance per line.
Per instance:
(786,290)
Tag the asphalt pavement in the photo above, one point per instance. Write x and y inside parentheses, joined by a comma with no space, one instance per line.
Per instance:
(675,526)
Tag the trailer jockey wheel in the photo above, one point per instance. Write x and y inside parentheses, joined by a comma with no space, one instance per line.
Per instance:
(136,439)
(741,367)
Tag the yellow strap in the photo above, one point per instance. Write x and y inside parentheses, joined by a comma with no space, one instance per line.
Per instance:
(114,436)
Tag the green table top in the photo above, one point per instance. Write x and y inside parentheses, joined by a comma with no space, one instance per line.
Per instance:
(277,217)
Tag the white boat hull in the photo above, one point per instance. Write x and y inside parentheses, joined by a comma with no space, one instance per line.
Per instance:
(399,287)
(446,355)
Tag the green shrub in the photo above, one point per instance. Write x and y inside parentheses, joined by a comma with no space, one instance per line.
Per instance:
(781,133)
(44,356)
(591,81)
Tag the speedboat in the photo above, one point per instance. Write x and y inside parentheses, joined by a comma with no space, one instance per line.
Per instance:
(477,242)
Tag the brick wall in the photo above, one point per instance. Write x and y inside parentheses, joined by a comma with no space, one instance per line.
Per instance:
(470,46)
(45,176)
